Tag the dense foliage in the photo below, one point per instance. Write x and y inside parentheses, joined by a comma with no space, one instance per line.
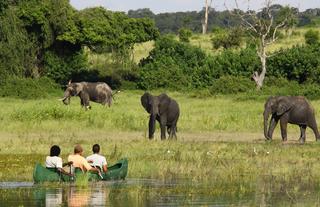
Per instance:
(27,88)
(311,37)
(185,34)
(227,39)
(177,65)
(48,38)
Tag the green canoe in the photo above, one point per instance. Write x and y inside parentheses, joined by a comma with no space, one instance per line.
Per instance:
(115,172)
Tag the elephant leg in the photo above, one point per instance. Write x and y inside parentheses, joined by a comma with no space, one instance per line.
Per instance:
(172,133)
(84,97)
(303,133)
(174,130)
(283,127)
(273,123)
(313,126)
(163,125)
(169,130)
(163,131)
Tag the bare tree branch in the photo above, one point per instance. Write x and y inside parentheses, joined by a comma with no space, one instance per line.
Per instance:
(263,27)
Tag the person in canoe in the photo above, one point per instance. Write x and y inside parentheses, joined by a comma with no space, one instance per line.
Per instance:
(97,160)
(54,162)
(79,161)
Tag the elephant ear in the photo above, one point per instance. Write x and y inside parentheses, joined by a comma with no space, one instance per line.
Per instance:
(145,99)
(78,88)
(283,106)
(164,102)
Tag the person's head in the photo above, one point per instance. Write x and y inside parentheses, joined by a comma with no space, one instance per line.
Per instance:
(55,150)
(95,148)
(78,149)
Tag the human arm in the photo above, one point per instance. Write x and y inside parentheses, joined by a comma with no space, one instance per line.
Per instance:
(105,169)
(104,165)
(61,170)
(67,164)
(88,167)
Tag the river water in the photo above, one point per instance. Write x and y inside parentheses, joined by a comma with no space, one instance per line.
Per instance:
(139,192)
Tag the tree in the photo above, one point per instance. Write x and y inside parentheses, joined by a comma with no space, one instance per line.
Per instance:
(263,27)
(205,21)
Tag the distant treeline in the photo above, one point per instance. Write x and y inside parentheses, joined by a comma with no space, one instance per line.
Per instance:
(172,22)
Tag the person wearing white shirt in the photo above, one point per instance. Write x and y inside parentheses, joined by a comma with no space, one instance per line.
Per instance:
(55,162)
(96,159)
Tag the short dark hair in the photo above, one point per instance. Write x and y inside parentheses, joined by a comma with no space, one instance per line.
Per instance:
(96,148)
(55,150)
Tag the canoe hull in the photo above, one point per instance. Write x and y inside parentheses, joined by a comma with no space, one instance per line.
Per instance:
(115,172)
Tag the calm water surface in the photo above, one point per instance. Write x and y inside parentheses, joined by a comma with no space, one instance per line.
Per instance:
(139,192)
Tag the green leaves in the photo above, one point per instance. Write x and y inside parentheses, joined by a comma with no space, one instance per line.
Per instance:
(47,37)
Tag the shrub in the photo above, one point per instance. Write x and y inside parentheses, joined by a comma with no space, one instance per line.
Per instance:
(311,37)
(61,69)
(227,39)
(311,91)
(236,63)
(232,85)
(300,63)
(175,65)
(185,34)
(27,88)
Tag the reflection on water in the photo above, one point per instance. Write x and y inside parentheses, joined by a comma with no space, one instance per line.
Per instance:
(144,192)
(53,197)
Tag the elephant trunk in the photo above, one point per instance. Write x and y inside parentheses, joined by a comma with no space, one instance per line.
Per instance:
(66,98)
(265,123)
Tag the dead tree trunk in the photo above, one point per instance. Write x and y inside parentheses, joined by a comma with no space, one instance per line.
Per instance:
(259,78)
(205,22)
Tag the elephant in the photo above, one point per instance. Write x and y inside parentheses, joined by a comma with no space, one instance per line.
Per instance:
(163,109)
(98,92)
(289,109)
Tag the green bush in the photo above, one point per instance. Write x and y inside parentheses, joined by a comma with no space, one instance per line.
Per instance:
(27,88)
(311,37)
(311,91)
(227,40)
(232,85)
(61,69)
(185,34)
(300,63)
(236,63)
(175,65)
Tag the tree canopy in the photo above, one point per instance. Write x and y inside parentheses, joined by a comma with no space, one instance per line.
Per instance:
(47,37)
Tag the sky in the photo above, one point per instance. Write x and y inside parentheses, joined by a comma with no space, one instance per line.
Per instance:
(161,6)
